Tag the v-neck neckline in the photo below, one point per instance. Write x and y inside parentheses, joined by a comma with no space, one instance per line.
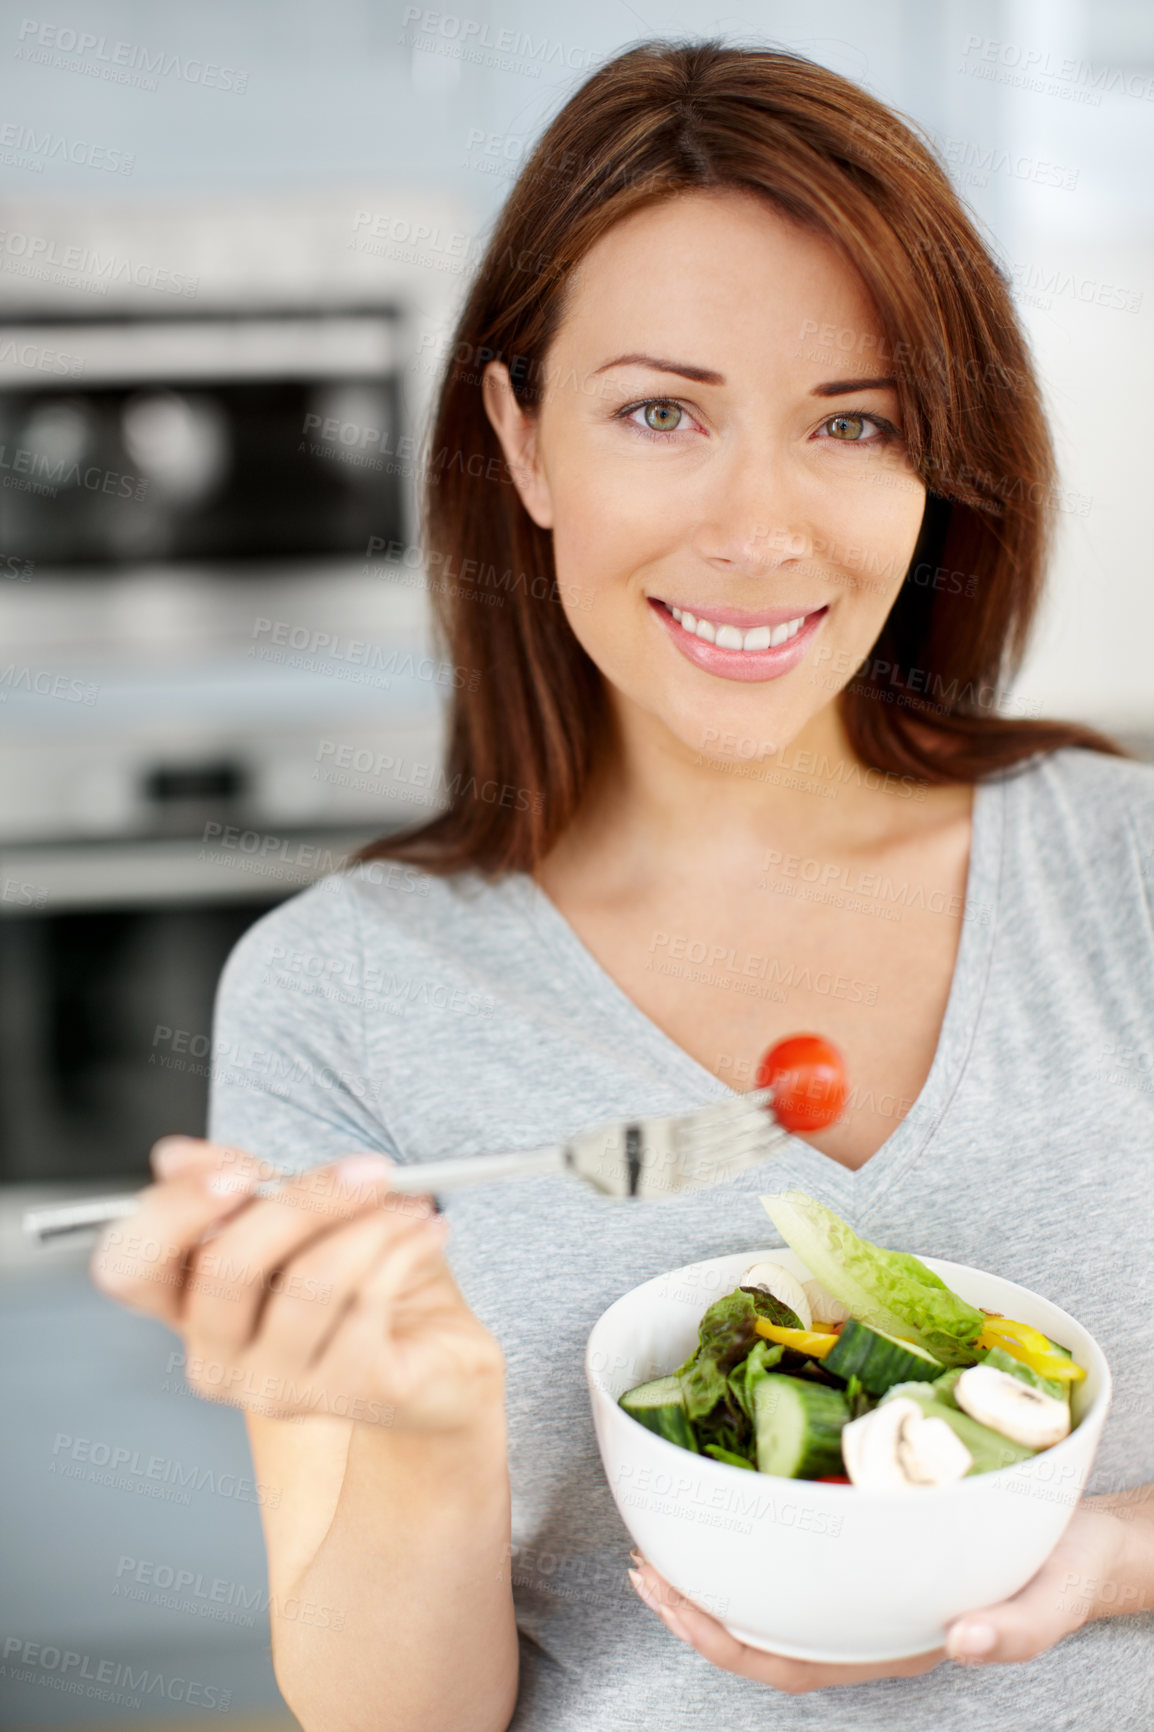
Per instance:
(864,1186)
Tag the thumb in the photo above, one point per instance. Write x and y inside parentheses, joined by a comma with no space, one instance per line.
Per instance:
(1056,1601)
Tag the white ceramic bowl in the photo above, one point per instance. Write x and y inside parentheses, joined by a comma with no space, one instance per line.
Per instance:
(829,1572)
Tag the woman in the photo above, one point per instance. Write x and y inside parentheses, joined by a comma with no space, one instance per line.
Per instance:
(742,535)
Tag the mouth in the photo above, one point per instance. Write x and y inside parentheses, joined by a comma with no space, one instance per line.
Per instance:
(737,644)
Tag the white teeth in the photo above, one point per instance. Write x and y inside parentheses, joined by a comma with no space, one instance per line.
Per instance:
(760,637)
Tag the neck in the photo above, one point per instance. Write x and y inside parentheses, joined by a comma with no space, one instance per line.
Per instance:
(653,801)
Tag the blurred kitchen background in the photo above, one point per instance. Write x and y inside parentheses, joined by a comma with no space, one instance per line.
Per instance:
(232,242)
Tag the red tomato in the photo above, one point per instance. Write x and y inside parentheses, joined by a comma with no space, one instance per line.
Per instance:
(807,1076)
(832,1479)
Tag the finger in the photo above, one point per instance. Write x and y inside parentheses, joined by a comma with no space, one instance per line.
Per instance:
(142,1260)
(313,1290)
(393,1277)
(174,1156)
(793,1677)
(233,1276)
(360,1342)
(1045,1610)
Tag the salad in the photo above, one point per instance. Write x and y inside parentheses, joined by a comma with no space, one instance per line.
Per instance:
(871,1373)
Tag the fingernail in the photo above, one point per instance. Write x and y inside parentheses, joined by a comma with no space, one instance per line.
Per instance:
(362,1169)
(171,1154)
(971,1641)
(636,1556)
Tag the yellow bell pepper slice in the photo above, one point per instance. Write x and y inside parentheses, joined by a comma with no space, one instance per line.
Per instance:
(815,1342)
(1031,1347)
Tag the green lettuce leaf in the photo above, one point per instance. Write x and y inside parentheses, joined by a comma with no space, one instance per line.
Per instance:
(720,1454)
(755,1366)
(889,1290)
(724,1337)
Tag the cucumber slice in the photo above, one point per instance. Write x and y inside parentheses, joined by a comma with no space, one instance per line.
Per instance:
(660,1406)
(1003,1361)
(943,1386)
(879,1360)
(798,1427)
(989,1448)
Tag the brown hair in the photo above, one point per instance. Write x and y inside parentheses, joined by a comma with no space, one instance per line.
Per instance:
(667,118)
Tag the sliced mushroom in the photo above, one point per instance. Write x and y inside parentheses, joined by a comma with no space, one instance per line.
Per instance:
(776,1280)
(824,1307)
(896,1445)
(1012,1407)
(931,1452)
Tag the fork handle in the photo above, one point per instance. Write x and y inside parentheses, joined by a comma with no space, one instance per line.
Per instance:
(421,1177)
(57,1221)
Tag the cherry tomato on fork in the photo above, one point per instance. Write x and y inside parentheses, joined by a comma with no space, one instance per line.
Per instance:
(807,1076)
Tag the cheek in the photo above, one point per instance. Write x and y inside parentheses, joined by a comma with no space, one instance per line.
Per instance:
(869,532)
(606,534)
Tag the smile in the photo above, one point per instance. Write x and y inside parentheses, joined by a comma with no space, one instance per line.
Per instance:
(759,637)
(740,645)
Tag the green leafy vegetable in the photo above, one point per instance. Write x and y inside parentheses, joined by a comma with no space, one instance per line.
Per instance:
(889,1290)
(719,1454)
(744,1377)
(724,1336)
(774,1310)
(857,1399)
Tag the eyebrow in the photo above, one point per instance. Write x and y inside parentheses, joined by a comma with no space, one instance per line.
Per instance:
(707,376)
(700,375)
(843,387)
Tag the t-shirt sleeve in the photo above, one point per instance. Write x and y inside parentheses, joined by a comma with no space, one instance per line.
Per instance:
(289,1078)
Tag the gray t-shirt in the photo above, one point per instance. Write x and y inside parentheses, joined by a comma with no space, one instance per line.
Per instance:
(387,1009)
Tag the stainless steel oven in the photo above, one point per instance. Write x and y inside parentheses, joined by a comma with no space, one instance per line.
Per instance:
(209,439)
(180,492)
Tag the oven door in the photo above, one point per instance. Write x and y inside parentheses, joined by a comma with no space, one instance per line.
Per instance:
(109,960)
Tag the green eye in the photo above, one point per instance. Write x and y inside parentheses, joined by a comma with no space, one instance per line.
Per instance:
(848,427)
(662,417)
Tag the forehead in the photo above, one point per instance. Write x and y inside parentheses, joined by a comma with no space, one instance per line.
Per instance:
(722,271)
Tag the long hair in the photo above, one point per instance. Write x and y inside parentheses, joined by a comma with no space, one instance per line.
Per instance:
(663,119)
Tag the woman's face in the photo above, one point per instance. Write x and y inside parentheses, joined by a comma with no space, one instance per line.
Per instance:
(732,508)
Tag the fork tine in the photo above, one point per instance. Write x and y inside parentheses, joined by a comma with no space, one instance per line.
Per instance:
(719,1112)
(721,1126)
(735,1148)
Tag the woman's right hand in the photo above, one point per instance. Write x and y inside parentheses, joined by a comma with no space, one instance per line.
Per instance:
(332,1296)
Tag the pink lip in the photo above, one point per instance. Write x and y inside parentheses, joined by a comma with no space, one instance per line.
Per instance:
(729,664)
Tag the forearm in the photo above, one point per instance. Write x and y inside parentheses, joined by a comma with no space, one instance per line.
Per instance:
(415,1571)
(1128,1585)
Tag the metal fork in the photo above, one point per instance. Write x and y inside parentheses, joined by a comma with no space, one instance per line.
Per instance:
(640,1158)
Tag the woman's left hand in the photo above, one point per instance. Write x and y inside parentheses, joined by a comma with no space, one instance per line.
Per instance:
(1083,1578)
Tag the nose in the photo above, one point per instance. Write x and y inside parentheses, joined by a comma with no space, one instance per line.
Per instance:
(748,524)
